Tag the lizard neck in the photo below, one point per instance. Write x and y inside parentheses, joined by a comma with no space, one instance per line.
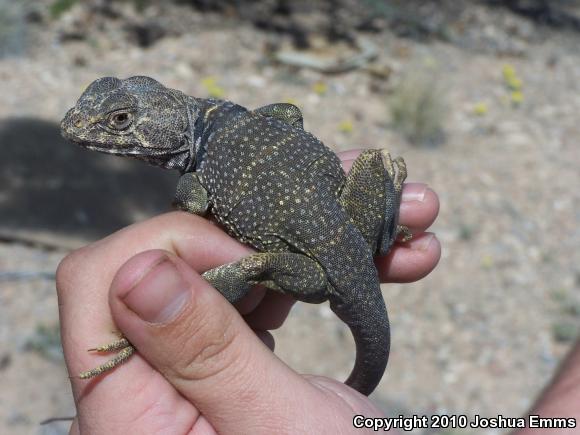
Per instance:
(196,109)
(205,116)
(187,156)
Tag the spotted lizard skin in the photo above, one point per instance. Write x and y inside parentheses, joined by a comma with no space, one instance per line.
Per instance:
(271,185)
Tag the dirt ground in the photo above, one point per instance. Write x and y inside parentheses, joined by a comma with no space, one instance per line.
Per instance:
(482,334)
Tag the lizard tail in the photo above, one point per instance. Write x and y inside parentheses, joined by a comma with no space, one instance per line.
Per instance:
(366,315)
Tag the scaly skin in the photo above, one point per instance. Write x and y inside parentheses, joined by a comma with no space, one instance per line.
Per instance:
(271,185)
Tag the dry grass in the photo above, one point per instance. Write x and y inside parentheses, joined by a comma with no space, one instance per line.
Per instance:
(418,108)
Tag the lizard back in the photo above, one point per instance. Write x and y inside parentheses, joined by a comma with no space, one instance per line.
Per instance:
(272,185)
(276,188)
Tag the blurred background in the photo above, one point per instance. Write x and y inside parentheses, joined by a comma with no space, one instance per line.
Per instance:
(480,97)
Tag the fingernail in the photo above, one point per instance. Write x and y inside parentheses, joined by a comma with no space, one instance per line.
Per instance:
(414,192)
(160,294)
(422,243)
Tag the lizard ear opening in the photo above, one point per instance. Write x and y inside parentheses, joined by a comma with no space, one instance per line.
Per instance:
(161,121)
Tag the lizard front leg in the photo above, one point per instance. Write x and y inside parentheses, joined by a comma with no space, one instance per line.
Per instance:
(289,273)
(371,196)
(125,349)
(190,195)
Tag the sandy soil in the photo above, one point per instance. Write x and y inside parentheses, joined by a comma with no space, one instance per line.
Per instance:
(481,335)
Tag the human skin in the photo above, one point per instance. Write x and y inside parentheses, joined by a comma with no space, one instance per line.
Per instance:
(561,398)
(203,366)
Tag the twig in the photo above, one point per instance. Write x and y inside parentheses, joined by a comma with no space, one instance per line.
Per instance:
(26,275)
(367,52)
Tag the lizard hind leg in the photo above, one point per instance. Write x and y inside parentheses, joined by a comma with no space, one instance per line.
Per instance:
(372,195)
(125,351)
(363,194)
(289,273)
(397,174)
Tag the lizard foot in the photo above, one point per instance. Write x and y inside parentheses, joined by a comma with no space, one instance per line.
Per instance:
(126,350)
(400,174)
(405,231)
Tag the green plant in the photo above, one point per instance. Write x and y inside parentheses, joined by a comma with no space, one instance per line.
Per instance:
(565,331)
(59,7)
(418,108)
(13,30)
(46,342)
(466,231)
(141,5)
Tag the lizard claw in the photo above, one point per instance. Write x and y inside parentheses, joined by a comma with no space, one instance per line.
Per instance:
(125,351)
(399,174)
(407,235)
(115,345)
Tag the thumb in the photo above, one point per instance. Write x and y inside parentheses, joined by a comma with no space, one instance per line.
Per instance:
(186,330)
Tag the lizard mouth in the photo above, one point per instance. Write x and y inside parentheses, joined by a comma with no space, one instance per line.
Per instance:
(108,149)
(130,150)
(124,151)
(71,134)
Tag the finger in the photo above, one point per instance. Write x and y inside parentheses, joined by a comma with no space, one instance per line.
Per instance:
(410,261)
(83,297)
(198,341)
(419,204)
(74,429)
(267,339)
(251,301)
(347,157)
(83,282)
(419,207)
(272,311)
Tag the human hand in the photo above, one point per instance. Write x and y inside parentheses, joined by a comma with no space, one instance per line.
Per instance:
(203,366)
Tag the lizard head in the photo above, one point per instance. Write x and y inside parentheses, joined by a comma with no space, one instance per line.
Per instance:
(136,117)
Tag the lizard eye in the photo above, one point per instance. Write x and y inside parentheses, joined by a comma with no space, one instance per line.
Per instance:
(120,120)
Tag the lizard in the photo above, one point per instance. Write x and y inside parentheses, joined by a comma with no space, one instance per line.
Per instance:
(271,185)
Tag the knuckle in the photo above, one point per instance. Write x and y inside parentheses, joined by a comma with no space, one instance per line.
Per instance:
(69,266)
(210,346)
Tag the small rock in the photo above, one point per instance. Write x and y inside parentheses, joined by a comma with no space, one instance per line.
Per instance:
(147,33)
(564,331)
(16,418)
(5,361)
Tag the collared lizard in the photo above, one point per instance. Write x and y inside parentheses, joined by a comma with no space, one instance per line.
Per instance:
(271,185)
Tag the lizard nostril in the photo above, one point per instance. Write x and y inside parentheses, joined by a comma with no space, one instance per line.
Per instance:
(73,119)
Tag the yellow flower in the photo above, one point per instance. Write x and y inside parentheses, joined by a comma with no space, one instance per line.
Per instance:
(515,84)
(511,78)
(346,126)
(208,81)
(480,109)
(212,87)
(517,97)
(508,71)
(291,101)
(320,88)
(487,261)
